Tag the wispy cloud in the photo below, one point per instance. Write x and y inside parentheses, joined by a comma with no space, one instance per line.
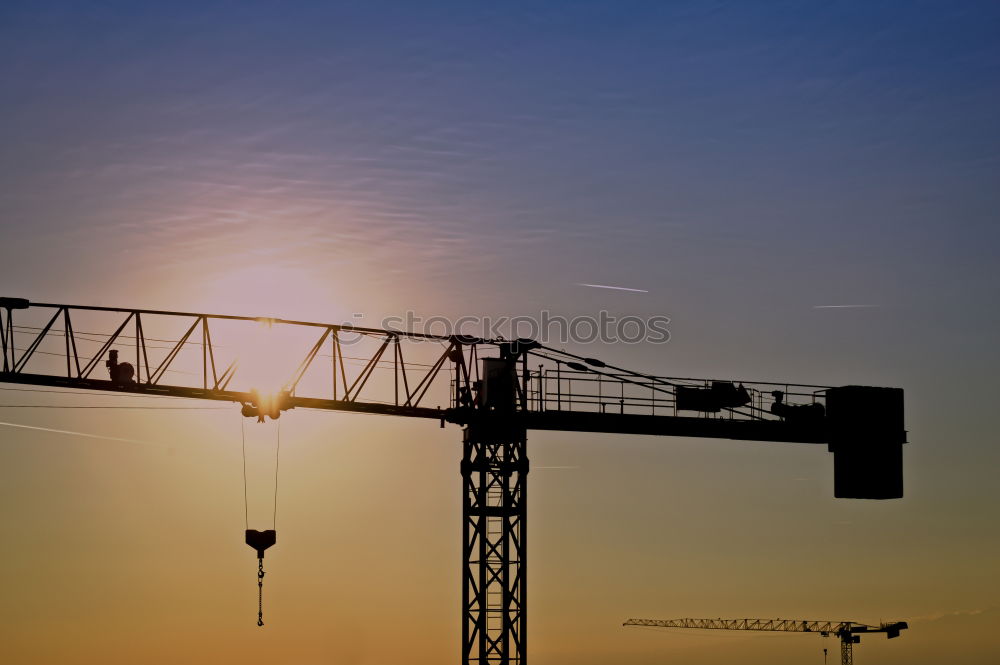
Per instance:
(614,288)
(949,615)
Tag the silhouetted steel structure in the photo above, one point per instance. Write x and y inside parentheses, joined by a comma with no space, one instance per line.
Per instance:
(849,632)
(496,389)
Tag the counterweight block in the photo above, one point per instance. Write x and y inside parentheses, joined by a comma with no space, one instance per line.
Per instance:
(866,438)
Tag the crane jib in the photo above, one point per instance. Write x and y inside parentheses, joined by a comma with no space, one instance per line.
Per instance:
(450,378)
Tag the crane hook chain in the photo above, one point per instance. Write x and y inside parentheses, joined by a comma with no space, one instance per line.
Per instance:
(260,591)
(260,541)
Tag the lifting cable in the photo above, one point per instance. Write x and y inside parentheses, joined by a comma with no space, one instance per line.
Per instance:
(260,540)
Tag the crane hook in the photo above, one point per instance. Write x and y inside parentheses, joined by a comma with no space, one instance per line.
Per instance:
(260,541)
(260,591)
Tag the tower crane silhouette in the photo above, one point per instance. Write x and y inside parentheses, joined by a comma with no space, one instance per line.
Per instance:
(849,632)
(495,389)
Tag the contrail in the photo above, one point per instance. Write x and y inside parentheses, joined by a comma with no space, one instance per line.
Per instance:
(843,306)
(615,288)
(555,467)
(83,434)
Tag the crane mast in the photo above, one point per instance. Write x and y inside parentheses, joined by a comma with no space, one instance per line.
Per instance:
(849,632)
(496,390)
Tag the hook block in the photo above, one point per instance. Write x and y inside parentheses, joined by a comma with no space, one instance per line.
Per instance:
(261,540)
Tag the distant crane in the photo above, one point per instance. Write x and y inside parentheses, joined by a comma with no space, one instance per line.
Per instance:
(495,389)
(849,632)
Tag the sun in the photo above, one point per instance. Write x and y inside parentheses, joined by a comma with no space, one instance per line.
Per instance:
(259,356)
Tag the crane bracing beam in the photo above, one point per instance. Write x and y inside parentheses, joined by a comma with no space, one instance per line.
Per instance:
(849,632)
(496,389)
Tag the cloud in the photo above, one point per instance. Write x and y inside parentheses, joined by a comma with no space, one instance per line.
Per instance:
(937,616)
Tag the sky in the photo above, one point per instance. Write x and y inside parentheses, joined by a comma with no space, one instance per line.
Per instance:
(741,165)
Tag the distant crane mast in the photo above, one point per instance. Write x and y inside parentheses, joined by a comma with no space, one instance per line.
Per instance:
(849,632)
(495,389)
